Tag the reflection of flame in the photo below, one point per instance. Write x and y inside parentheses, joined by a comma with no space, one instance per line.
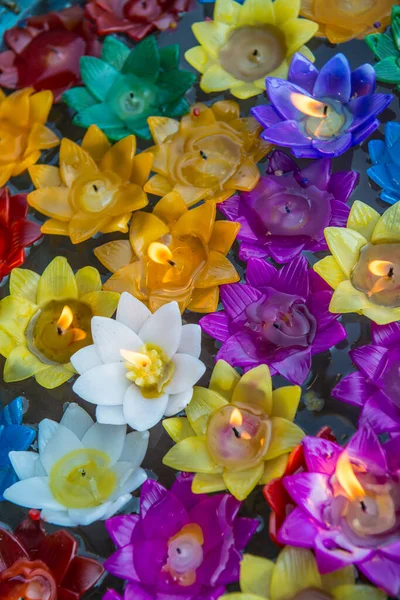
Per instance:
(347,479)
(136,359)
(309,106)
(160,253)
(65,322)
(245,436)
(383,268)
(78,335)
(236,418)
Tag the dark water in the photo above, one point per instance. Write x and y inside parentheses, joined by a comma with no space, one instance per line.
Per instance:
(327,368)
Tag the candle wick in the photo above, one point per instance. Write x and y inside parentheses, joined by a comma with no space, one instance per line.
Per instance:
(287,210)
(255,52)
(60,331)
(326,110)
(363,506)
(275,325)
(171,262)
(96,189)
(179,551)
(236,432)
(203,155)
(390,272)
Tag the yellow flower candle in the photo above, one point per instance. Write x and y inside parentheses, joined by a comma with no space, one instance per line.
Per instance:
(173,254)
(364,268)
(46,319)
(208,155)
(95,189)
(23,134)
(237,434)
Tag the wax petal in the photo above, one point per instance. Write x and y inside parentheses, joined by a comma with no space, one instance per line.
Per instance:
(241,484)
(380,414)
(365,446)
(57,282)
(363,81)
(321,455)
(295,570)
(234,353)
(295,522)
(334,147)
(255,388)
(329,337)
(386,335)
(111,336)
(164,329)
(293,364)
(32,493)
(265,115)
(178,428)
(280,94)
(259,273)
(285,130)
(216,325)
(311,492)
(286,401)
(370,360)
(235,298)
(302,72)
(224,379)
(188,370)
(191,455)
(365,107)
(284,249)
(345,246)
(85,359)
(105,384)
(177,402)
(255,575)
(284,437)
(333,551)
(293,278)
(62,442)
(353,389)
(334,80)
(142,413)
(342,185)
(112,415)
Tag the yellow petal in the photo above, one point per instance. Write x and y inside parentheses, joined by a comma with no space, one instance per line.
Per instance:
(40,106)
(224,379)
(305,51)
(362,218)
(387,229)
(246,177)
(241,483)
(285,11)
(216,79)
(330,271)
(53,377)
(274,469)
(55,227)
(96,143)
(381,315)
(5,173)
(226,110)
(158,185)
(127,279)
(162,127)
(145,229)
(52,202)
(15,108)
(119,223)
(103,304)
(170,208)
(218,270)
(255,575)
(141,168)
(226,11)
(88,280)
(191,455)
(82,227)
(57,282)
(197,222)
(223,236)
(256,13)
(212,35)
(203,404)
(2,96)
(285,436)
(21,364)
(115,255)
(197,57)
(45,176)
(7,343)
(74,161)
(298,32)
(178,428)
(346,576)
(345,245)
(347,299)
(40,138)
(358,592)
(295,570)
(119,158)
(24,283)
(255,389)
(205,483)
(15,314)
(243,596)
(245,91)
(27,162)
(204,301)
(286,401)
(191,195)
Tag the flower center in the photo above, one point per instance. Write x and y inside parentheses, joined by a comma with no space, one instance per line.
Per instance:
(59,329)
(150,369)
(377,273)
(28,580)
(94,192)
(185,554)
(252,52)
(82,479)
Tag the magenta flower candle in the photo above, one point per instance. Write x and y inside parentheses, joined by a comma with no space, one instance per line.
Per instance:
(180,544)
(279,318)
(348,507)
(289,208)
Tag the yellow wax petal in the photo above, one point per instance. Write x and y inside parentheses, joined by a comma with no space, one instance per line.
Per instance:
(158,185)
(53,376)
(45,176)
(83,226)
(191,455)
(284,437)
(128,198)
(226,11)
(119,223)
(256,13)
(358,592)
(197,57)
(255,389)
(295,570)
(170,208)
(191,194)
(218,271)
(21,364)
(382,315)
(2,96)
(57,282)
(160,159)
(28,161)
(285,11)
(223,236)
(119,158)
(141,167)
(255,575)
(243,92)
(203,404)
(52,202)
(5,173)
(204,301)
(103,304)
(274,469)
(387,229)
(115,255)
(178,428)
(298,32)
(286,401)
(88,280)
(212,35)
(345,245)
(346,576)
(248,175)
(241,483)
(55,227)
(145,229)
(40,138)
(330,271)
(15,314)
(243,596)
(96,143)
(127,279)
(216,79)
(74,161)
(226,110)
(40,105)
(347,299)
(362,218)
(224,380)
(205,483)
(7,343)
(24,283)
(15,108)
(198,222)
(162,127)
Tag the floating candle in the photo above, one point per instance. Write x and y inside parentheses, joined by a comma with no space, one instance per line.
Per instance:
(384,160)
(379,278)
(385,46)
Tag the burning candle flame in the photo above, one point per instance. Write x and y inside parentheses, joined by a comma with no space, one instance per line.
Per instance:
(64,323)
(347,478)
(309,106)
(383,268)
(160,253)
(245,435)
(236,418)
(136,359)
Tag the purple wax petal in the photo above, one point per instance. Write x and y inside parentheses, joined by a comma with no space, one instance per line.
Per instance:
(364,132)
(321,455)
(363,81)
(353,389)
(381,414)
(340,214)
(236,297)
(283,249)
(233,353)
(392,551)
(329,337)
(279,161)
(111,595)
(297,521)
(386,335)
(342,184)
(365,446)
(321,246)
(306,151)
(230,208)
(295,364)
(244,529)
(370,360)
(285,133)
(383,573)
(311,492)
(182,489)
(259,273)
(158,522)
(366,107)
(121,564)
(334,147)
(213,515)
(246,233)
(280,93)
(247,251)
(120,528)
(216,325)
(265,115)
(318,173)
(293,278)
(302,72)
(134,591)
(392,450)
(318,284)
(334,80)
(151,493)
(214,595)
(231,571)
(318,305)
(221,566)
(334,551)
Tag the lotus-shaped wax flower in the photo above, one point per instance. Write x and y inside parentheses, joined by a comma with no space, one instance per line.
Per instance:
(173,254)
(23,133)
(279,318)
(46,566)
(179,545)
(295,576)
(95,188)
(348,507)
(45,53)
(386,47)
(289,208)
(384,157)
(237,434)
(364,268)
(243,45)
(141,366)
(321,114)
(16,231)
(208,155)
(136,18)
(13,436)
(83,471)
(347,19)
(126,86)
(45,319)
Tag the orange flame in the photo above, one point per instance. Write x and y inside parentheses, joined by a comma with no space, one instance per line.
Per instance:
(236,418)
(381,268)
(136,359)
(309,106)
(245,435)
(78,335)
(347,478)
(65,322)
(160,253)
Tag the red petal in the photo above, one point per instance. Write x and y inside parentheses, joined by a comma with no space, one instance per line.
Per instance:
(15,260)
(327,434)
(114,7)
(57,551)
(30,533)
(25,233)
(9,79)
(63,594)
(7,59)
(71,17)
(296,461)
(18,38)
(4,205)
(18,206)
(10,550)
(82,575)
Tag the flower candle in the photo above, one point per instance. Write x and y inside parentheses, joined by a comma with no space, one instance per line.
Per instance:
(46,319)
(279,318)
(173,254)
(384,156)
(363,268)
(95,189)
(289,208)
(385,46)
(242,45)
(321,114)
(120,93)
(237,433)
(89,470)
(45,53)
(208,155)
(188,535)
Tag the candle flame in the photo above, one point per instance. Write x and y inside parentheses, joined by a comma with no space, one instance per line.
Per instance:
(347,478)
(236,418)
(136,359)
(245,435)
(382,268)
(309,106)
(160,253)
(65,322)
(78,335)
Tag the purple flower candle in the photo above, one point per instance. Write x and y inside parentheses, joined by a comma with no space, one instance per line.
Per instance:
(321,113)
(289,208)
(180,545)
(348,507)
(279,318)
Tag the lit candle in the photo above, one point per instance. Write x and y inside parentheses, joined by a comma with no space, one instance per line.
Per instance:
(377,273)
(160,254)
(185,554)
(150,369)
(321,120)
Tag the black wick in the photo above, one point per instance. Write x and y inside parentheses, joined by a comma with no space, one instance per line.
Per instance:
(390,272)
(325,110)
(363,507)
(236,432)
(96,189)
(203,155)
(287,210)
